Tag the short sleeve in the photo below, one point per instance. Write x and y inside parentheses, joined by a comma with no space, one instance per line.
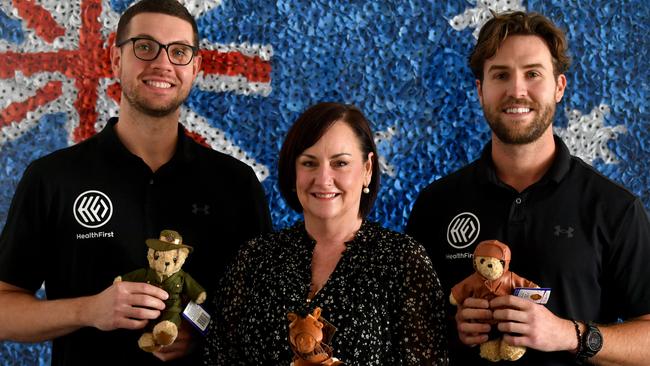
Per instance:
(628,270)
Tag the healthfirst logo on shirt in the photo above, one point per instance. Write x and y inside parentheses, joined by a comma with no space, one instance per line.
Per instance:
(93,209)
(462,231)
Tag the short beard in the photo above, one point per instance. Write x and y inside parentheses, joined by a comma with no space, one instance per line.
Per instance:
(158,112)
(512,135)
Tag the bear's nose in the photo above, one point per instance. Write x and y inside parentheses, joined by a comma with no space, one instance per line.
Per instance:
(489,266)
(166,264)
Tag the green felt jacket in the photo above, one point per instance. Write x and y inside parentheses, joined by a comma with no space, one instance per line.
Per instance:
(177,285)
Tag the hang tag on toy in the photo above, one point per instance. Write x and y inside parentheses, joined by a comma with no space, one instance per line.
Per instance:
(537,295)
(197,316)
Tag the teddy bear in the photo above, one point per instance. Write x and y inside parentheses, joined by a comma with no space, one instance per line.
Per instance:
(166,256)
(491,278)
(309,335)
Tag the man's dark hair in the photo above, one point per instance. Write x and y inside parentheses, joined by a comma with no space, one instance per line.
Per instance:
(307,130)
(497,29)
(169,7)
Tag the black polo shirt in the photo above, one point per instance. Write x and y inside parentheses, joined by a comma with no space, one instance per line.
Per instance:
(575,231)
(80,217)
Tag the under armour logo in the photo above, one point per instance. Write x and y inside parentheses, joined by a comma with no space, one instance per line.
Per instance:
(92,209)
(463,230)
(568,231)
(203,209)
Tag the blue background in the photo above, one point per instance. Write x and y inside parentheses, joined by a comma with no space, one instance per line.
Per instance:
(404,65)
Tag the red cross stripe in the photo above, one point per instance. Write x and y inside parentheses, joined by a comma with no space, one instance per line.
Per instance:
(16,111)
(39,19)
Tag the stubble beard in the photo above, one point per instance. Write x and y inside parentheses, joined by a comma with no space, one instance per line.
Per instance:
(147,108)
(508,134)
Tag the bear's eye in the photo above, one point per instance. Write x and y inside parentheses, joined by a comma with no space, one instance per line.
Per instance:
(503,263)
(175,259)
(156,256)
(482,260)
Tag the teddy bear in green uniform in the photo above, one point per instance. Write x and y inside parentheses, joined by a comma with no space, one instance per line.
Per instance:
(166,256)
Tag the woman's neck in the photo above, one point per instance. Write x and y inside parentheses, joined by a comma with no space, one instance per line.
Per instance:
(332,232)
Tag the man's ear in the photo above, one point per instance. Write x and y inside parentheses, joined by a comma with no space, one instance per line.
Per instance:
(116,61)
(479,91)
(560,86)
(196,64)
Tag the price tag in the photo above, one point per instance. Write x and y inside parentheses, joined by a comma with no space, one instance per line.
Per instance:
(197,316)
(538,295)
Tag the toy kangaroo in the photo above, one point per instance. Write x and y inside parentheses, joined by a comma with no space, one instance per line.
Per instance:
(306,340)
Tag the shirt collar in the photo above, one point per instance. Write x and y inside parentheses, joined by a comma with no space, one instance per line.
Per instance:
(108,139)
(362,237)
(558,170)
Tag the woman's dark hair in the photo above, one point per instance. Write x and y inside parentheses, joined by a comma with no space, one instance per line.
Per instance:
(306,132)
(497,29)
(169,7)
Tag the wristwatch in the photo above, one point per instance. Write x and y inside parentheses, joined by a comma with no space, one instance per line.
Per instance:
(590,344)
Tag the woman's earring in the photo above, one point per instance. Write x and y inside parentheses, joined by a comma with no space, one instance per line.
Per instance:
(366,190)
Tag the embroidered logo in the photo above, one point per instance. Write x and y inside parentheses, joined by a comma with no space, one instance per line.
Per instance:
(92,209)
(561,231)
(463,230)
(203,209)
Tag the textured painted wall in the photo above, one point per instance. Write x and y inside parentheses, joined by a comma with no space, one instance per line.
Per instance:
(403,62)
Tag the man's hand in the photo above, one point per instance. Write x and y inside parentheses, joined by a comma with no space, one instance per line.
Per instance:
(128,305)
(535,326)
(470,321)
(182,346)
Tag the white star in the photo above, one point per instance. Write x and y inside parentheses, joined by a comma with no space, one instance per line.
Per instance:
(477,16)
(587,136)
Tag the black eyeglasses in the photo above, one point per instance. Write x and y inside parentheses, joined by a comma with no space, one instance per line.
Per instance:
(147,49)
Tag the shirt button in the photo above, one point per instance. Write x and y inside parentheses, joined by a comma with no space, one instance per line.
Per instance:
(151,181)
(518,200)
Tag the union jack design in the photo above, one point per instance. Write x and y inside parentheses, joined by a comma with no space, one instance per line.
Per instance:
(70,57)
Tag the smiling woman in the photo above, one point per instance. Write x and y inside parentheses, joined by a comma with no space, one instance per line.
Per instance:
(308,134)
(334,260)
(330,176)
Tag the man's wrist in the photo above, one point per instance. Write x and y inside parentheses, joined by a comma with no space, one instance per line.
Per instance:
(591,342)
(578,337)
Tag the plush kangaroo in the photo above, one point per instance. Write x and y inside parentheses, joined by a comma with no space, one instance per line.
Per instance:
(306,339)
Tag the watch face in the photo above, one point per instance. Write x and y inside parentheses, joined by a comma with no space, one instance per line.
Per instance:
(594,341)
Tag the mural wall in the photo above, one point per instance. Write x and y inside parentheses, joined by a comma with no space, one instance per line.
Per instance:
(403,62)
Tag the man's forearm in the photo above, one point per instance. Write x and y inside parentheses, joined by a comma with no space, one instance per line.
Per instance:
(626,344)
(24,318)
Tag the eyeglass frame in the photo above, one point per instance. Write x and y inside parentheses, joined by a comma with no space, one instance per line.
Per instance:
(194,49)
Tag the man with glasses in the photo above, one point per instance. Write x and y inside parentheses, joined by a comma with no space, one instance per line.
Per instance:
(81,215)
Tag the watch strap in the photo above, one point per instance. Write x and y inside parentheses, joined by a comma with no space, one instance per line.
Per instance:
(585,350)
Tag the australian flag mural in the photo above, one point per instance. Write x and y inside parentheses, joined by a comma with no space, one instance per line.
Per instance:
(403,62)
